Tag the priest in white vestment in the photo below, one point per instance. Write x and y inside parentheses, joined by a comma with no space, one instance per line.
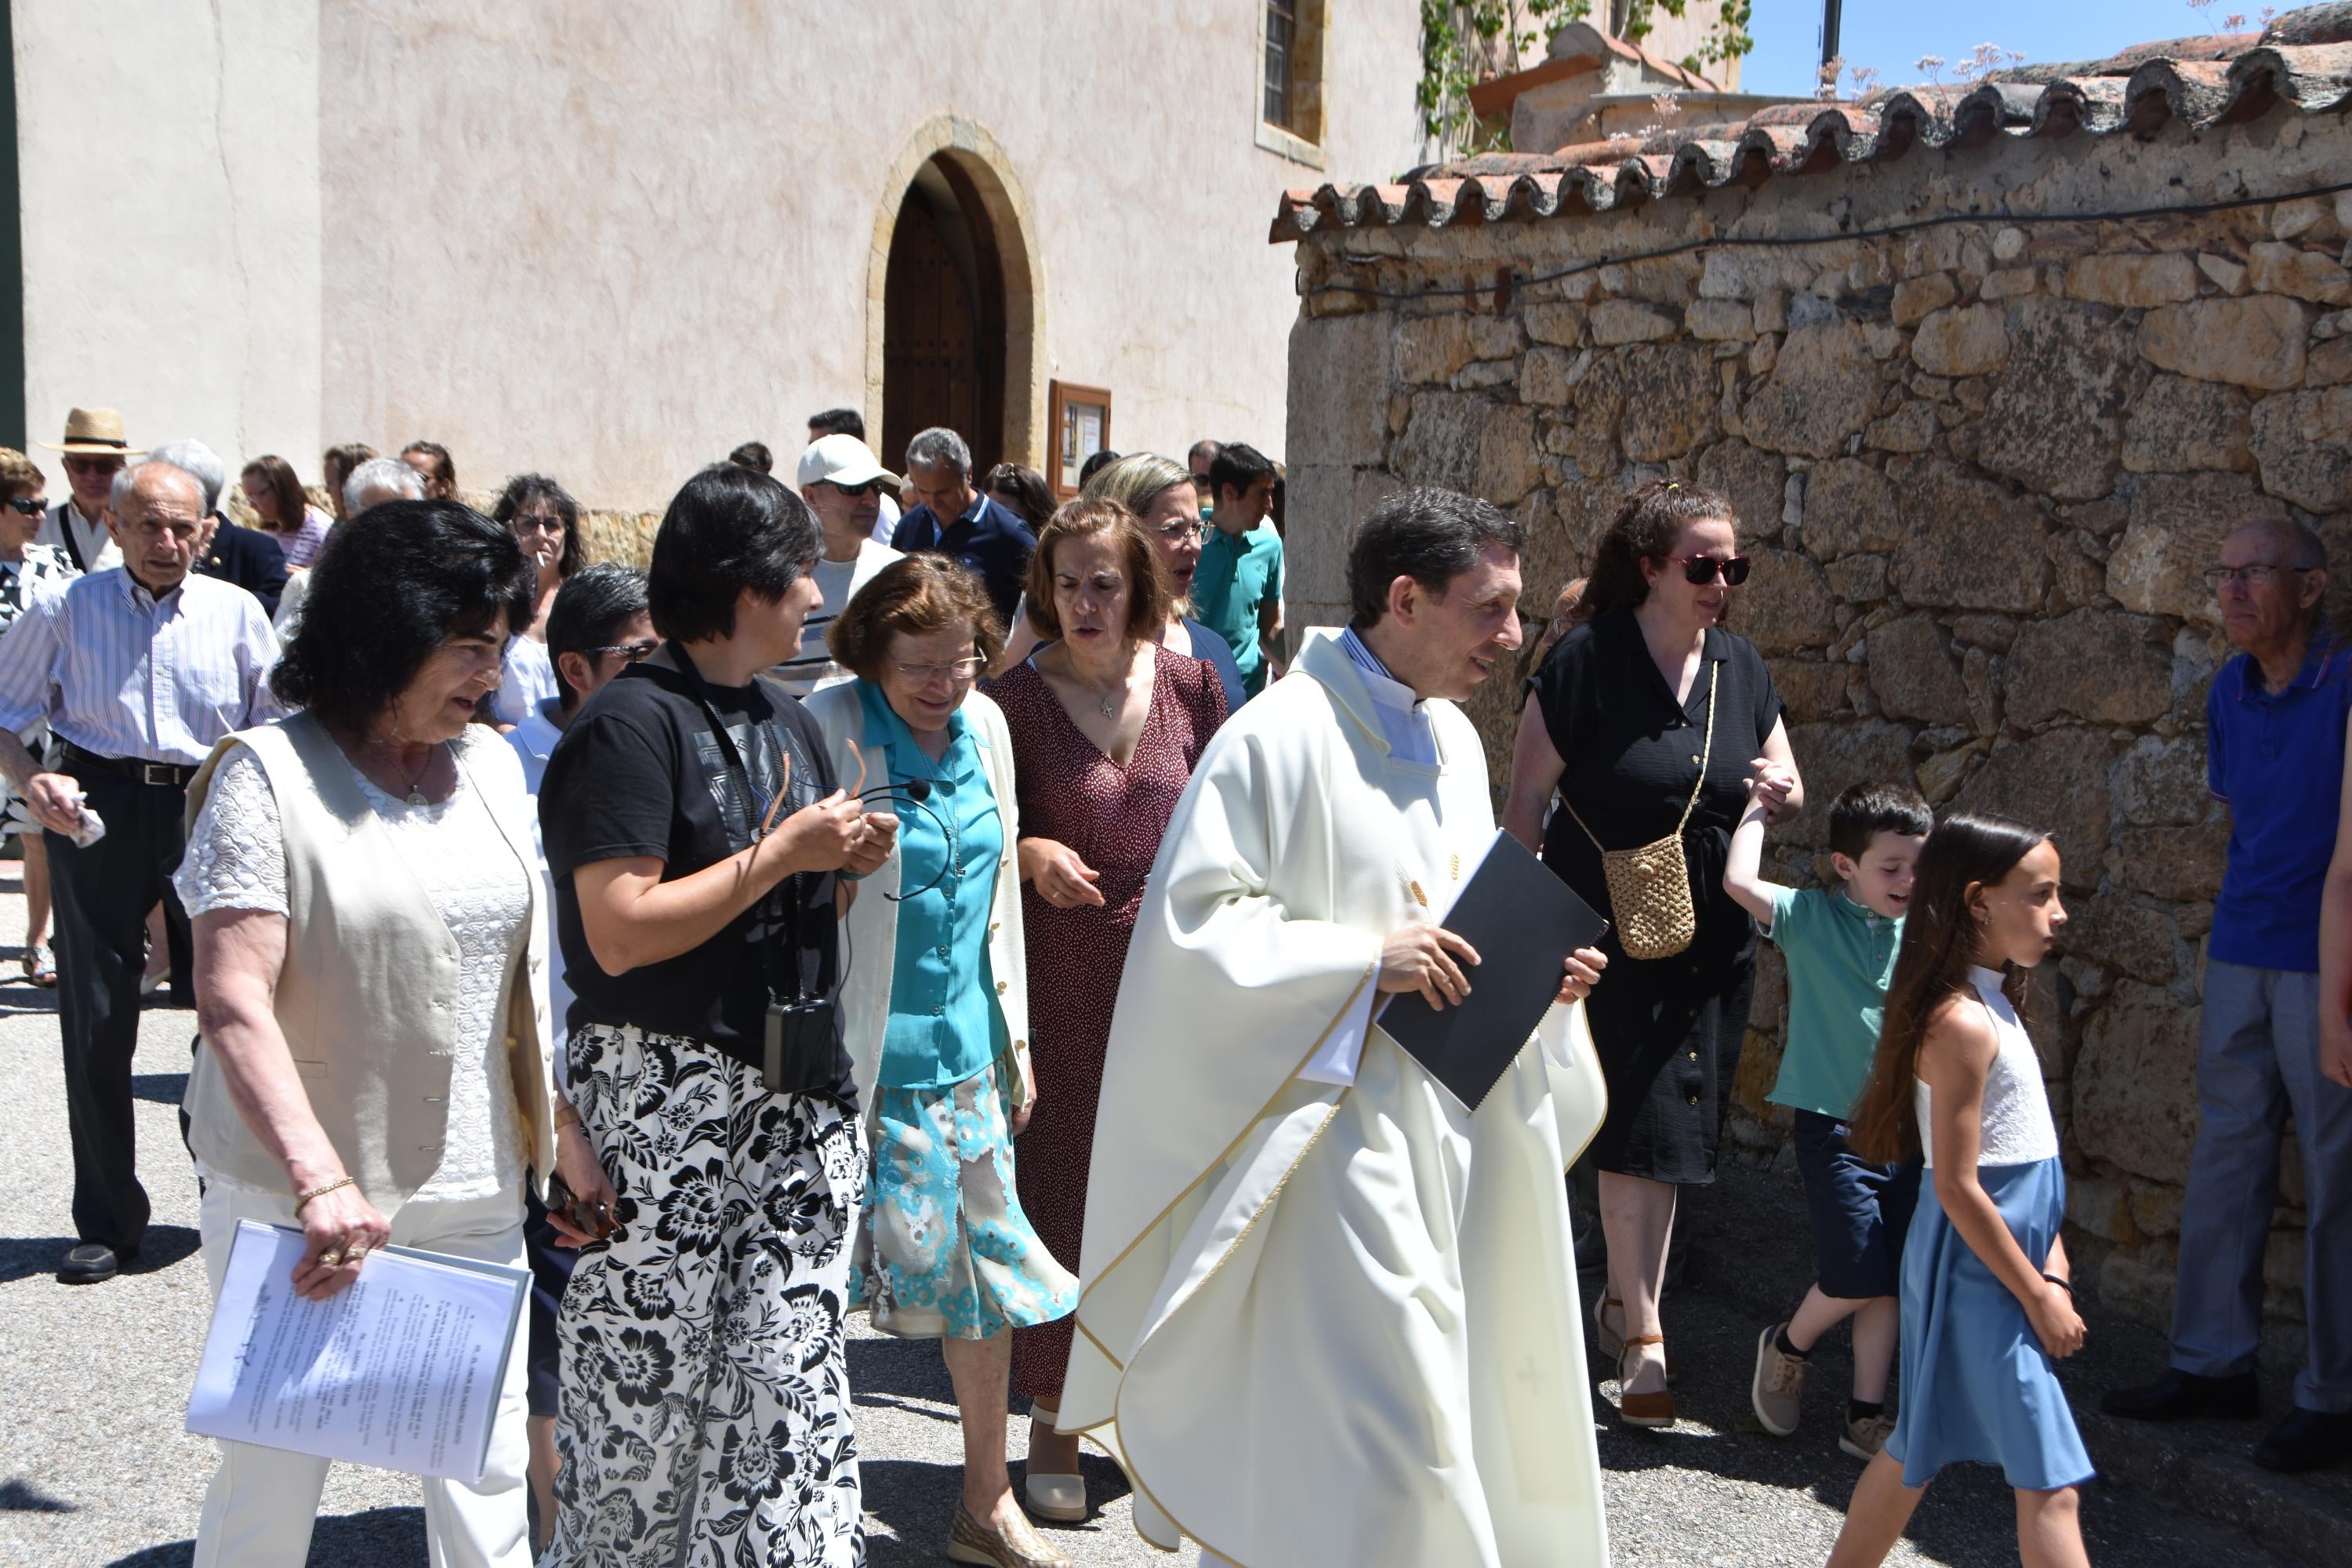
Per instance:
(1331,1316)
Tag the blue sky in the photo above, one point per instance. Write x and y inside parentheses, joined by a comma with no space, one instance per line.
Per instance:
(1893,34)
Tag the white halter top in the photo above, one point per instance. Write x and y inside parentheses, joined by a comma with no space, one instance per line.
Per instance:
(2017,1126)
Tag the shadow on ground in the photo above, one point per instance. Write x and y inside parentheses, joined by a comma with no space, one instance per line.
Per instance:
(377,1539)
(23,1256)
(161,1087)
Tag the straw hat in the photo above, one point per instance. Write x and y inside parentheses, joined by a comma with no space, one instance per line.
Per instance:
(95,433)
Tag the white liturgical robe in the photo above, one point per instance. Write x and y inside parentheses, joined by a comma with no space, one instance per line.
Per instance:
(1330,1325)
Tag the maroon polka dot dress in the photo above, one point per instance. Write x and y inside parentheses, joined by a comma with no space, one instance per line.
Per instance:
(1113,817)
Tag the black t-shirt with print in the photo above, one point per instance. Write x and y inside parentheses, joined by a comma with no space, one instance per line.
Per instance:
(638,773)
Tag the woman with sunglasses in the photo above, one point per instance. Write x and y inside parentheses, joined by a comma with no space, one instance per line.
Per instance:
(545,520)
(936,1014)
(28,569)
(1652,722)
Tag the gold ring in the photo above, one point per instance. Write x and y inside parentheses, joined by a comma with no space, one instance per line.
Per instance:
(352,1254)
(329,1258)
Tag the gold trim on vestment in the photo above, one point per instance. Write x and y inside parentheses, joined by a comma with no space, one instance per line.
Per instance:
(1134,1475)
(1371,970)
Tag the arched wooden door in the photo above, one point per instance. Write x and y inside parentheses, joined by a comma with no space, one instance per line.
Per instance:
(943,321)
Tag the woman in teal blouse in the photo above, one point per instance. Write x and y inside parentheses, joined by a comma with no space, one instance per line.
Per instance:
(936,1013)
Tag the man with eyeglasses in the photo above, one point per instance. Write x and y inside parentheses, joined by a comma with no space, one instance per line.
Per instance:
(1237,587)
(2275,722)
(140,671)
(94,450)
(842,481)
(1202,460)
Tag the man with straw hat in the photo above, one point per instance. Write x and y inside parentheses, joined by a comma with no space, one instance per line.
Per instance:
(95,450)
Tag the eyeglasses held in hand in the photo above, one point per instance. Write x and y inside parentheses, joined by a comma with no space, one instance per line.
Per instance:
(2259,575)
(630,652)
(1701,569)
(961,670)
(29,506)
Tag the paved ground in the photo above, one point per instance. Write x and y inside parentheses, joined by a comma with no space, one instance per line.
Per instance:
(95,1469)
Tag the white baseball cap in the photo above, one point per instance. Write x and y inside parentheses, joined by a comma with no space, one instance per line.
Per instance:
(842,460)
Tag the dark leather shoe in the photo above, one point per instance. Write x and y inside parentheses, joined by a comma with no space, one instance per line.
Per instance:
(2184,1396)
(2306,1440)
(91,1263)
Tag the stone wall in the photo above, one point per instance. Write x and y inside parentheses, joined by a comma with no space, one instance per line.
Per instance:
(1982,466)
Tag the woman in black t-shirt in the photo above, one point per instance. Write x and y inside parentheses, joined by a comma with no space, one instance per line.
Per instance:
(1643,686)
(694,831)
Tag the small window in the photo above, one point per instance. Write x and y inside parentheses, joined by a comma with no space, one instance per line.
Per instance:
(1281,42)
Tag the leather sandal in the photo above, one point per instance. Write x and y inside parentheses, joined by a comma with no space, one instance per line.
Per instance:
(1612,1345)
(1642,1409)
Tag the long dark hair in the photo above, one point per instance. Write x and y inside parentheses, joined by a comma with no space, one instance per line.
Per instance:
(1939,942)
(525,489)
(1646,525)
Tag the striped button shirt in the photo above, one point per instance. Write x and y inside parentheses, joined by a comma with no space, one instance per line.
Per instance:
(123,674)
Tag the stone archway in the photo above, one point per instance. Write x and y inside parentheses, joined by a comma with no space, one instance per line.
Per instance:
(960,154)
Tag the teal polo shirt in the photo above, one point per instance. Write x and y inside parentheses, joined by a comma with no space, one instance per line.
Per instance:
(944,1024)
(1237,574)
(1840,958)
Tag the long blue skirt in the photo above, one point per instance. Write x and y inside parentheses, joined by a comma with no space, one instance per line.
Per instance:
(1977,1384)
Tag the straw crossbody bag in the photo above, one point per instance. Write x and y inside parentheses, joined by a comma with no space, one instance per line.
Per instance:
(1649,886)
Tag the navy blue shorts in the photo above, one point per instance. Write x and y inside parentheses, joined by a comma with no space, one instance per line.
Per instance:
(551,1272)
(1860,1211)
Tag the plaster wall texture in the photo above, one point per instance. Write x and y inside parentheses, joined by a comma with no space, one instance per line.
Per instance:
(613,242)
(1982,469)
(169,164)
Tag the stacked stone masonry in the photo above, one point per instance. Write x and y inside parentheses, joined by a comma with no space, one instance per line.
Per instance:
(1982,468)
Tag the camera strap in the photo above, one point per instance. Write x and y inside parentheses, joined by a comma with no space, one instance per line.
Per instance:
(785,898)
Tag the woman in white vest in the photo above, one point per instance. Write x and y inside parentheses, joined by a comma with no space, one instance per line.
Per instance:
(370,970)
(936,1015)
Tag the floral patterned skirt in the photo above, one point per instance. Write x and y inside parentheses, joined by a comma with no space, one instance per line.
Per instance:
(705,1402)
(944,1249)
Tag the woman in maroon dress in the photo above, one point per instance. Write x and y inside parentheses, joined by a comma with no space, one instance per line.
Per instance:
(1107,725)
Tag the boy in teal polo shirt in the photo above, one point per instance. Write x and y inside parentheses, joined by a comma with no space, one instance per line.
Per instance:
(1237,586)
(1840,947)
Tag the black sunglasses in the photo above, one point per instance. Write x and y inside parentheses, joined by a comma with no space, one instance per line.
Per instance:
(630,652)
(31,506)
(866,489)
(1701,569)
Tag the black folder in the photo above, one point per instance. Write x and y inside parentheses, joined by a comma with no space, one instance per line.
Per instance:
(1523,921)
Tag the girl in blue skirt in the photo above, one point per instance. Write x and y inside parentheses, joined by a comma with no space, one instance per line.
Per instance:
(1987,1300)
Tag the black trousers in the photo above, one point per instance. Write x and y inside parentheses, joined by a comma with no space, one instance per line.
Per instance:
(103,896)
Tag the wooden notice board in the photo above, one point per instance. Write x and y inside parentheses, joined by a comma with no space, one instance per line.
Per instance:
(1077,422)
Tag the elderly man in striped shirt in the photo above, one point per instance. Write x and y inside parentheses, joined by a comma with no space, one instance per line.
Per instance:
(139,669)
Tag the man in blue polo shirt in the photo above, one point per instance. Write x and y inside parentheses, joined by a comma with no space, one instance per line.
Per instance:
(977,532)
(1237,586)
(2274,736)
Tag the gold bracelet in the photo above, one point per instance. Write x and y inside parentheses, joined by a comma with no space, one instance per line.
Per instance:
(565,1116)
(303,1200)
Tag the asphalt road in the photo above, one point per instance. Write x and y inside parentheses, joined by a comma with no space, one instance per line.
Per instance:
(95,1468)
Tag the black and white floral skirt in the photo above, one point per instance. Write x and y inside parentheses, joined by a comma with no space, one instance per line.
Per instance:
(706,1416)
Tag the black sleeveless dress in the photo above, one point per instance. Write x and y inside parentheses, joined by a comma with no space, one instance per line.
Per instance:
(1668,1030)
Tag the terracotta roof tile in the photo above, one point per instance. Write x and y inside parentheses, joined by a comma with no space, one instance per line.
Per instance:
(2304,59)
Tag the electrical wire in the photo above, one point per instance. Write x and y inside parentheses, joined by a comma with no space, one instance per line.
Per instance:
(1516,280)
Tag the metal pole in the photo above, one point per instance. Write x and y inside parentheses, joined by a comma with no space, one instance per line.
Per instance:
(1829,30)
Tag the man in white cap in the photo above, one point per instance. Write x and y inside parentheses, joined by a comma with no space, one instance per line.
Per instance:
(841,480)
(95,450)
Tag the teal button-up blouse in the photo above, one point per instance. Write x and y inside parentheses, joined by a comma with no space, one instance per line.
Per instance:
(945,1025)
